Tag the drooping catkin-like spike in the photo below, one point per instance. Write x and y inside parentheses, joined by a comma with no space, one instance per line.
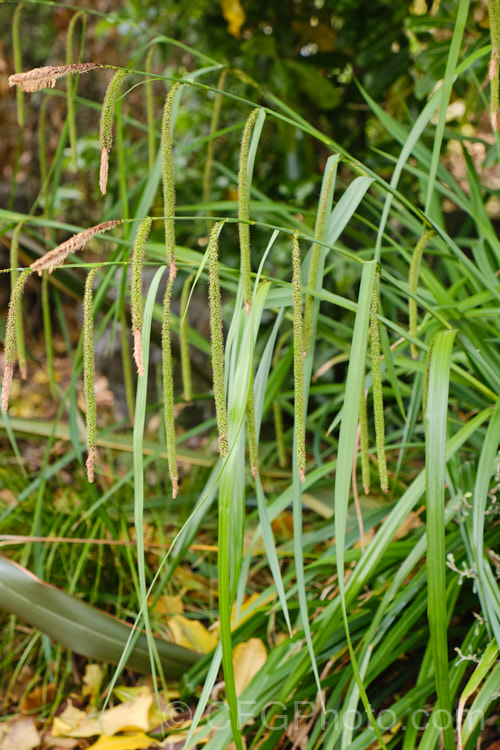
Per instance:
(316,254)
(168,383)
(216,337)
(88,373)
(58,255)
(168,176)
(46,77)
(14,274)
(363,440)
(10,336)
(214,124)
(413,285)
(106,129)
(378,403)
(18,64)
(243,210)
(70,89)
(150,108)
(493,73)
(298,360)
(136,300)
(184,343)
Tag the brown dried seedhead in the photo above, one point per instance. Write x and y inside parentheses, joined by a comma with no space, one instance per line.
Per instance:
(46,77)
(58,255)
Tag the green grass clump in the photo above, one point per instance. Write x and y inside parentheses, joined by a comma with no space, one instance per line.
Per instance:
(372,607)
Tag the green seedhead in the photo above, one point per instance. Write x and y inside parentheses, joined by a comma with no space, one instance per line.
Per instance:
(136,299)
(216,337)
(10,335)
(89,372)
(106,130)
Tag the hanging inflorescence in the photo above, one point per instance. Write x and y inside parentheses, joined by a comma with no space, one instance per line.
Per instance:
(216,337)
(136,299)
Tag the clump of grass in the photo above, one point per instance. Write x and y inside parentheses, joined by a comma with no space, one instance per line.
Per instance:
(10,336)
(58,255)
(136,299)
(216,337)
(106,129)
(298,360)
(88,373)
(46,77)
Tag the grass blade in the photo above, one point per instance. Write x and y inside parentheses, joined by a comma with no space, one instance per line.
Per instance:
(435,476)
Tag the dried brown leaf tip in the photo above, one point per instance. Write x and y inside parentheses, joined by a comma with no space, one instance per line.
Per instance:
(46,77)
(58,255)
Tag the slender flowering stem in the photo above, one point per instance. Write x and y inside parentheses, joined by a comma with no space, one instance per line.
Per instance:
(16,45)
(298,360)
(10,336)
(216,337)
(136,300)
(106,129)
(58,255)
(243,210)
(70,89)
(168,176)
(214,124)
(150,109)
(89,373)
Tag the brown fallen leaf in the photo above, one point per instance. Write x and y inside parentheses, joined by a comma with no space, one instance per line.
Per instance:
(19,734)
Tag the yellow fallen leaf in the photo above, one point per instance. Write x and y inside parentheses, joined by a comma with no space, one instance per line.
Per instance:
(234,15)
(123,742)
(248,658)
(128,716)
(92,680)
(169,605)
(191,634)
